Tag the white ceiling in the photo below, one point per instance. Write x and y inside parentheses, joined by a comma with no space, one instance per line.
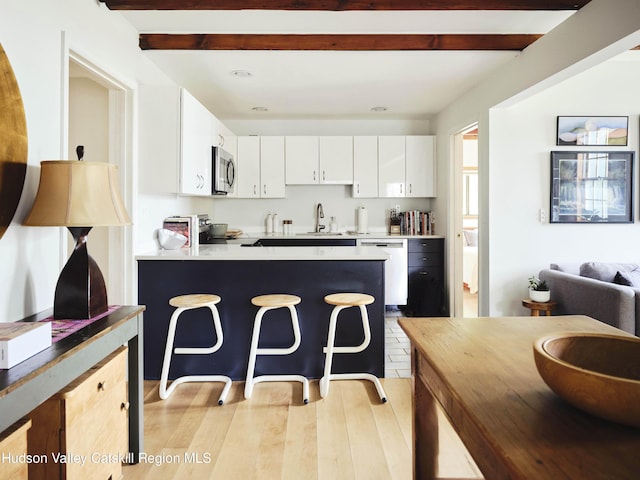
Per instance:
(333,84)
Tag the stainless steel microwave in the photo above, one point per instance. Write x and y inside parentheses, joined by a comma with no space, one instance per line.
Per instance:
(224,172)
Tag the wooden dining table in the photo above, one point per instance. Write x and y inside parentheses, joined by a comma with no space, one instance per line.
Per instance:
(481,373)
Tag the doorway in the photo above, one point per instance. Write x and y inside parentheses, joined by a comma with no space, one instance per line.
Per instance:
(98,109)
(466,221)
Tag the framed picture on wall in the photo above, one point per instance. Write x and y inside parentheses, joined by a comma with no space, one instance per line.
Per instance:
(591,187)
(592,131)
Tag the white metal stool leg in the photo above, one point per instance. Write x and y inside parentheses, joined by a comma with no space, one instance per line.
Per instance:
(331,349)
(165,391)
(255,351)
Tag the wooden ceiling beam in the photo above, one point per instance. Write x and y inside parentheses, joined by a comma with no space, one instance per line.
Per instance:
(347,42)
(341,5)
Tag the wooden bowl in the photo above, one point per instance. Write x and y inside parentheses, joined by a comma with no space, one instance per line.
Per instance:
(597,373)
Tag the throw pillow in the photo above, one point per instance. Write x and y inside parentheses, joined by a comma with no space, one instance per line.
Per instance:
(628,278)
(605,271)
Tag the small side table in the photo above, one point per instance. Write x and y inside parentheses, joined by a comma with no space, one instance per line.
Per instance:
(537,307)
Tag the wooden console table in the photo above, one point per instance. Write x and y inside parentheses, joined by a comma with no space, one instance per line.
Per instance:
(28,384)
(482,373)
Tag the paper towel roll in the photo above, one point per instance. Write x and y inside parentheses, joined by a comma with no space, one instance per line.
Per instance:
(362,220)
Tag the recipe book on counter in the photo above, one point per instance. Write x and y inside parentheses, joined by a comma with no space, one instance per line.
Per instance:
(21,340)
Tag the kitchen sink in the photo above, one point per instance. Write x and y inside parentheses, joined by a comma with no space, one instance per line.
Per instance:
(320,234)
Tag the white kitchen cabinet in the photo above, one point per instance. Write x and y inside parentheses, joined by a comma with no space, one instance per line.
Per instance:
(248,167)
(336,160)
(365,166)
(317,160)
(176,136)
(420,166)
(196,143)
(272,167)
(301,159)
(391,166)
(260,166)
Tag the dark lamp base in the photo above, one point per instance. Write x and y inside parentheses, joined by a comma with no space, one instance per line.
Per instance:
(81,292)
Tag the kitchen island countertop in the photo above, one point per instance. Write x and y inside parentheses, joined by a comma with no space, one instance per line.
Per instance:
(238,252)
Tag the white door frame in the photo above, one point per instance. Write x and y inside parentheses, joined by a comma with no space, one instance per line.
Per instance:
(121,107)
(457,219)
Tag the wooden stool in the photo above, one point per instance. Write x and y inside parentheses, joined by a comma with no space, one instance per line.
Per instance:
(342,301)
(184,303)
(266,303)
(537,307)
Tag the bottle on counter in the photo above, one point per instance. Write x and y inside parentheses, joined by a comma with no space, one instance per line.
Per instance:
(269,223)
(275,227)
(287,227)
(333,225)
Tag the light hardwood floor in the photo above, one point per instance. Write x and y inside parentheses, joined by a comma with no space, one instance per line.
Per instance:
(348,435)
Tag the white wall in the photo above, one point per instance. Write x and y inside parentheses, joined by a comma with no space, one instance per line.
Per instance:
(520,168)
(598,32)
(36,36)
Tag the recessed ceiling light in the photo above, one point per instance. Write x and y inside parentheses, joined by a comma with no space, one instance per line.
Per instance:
(260,109)
(379,109)
(241,73)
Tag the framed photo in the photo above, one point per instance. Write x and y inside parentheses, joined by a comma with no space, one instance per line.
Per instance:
(592,131)
(591,187)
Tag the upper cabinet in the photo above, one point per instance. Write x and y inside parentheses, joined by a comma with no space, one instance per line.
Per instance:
(365,166)
(176,136)
(312,160)
(260,163)
(391,166)
(406,166)
(197,137)
(272,161)
(248,167)
(301,159)
(420,166)
(336,160)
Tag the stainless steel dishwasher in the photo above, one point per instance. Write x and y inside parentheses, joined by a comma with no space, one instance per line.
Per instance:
(396,285)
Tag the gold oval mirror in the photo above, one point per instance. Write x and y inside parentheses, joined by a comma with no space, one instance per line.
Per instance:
(13,143)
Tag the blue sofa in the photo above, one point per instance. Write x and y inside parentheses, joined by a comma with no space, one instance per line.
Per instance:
(609,292)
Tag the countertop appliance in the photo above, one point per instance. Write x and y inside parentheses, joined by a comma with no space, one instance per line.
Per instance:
(396,280)
(224,172)
(204,231)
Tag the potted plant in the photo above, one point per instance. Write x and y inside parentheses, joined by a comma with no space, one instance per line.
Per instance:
(539,290)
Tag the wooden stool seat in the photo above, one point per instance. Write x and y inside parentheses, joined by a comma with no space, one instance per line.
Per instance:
(195,300)
(349,299)
(275,300)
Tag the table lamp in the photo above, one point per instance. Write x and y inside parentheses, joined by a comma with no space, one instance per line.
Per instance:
(78,195)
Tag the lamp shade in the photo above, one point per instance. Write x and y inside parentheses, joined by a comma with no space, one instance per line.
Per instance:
(78,194)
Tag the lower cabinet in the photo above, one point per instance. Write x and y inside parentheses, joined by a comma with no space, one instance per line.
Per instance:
(13,448)
(426,278)
(83,428)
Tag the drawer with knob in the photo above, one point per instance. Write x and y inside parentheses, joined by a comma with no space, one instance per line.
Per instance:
(87,419)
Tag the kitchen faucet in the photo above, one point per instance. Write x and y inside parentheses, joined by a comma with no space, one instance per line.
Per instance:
(319,215)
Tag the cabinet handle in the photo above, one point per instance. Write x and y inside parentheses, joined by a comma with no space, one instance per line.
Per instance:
(124,406)
(102,386)
(220,140)
(401,189)
(410,188)
(324,176)
(358,188)
(264,188)
(255,191)
(314,175)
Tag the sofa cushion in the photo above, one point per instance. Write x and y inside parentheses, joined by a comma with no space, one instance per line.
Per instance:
(629,278)
(605,271)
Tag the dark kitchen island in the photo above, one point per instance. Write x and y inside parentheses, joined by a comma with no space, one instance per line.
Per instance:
(237,274)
